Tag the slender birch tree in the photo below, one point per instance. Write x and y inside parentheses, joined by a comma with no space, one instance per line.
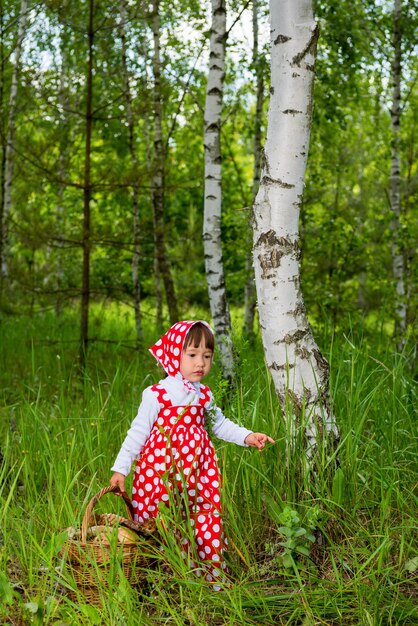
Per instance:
(6,196)
(299,371)
(398,263)
(213,189)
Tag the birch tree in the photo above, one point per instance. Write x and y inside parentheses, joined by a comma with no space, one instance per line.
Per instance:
(9,148)
(299,370)
(213,189)
(395,178)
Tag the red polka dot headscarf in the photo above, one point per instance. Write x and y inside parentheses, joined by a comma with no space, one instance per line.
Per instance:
(168,349)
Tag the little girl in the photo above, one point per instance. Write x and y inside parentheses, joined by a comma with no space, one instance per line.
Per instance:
(173,450)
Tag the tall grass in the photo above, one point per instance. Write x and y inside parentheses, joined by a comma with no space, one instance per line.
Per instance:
(59,436)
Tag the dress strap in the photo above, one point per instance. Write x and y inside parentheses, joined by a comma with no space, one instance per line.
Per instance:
(162,396)
(204,395)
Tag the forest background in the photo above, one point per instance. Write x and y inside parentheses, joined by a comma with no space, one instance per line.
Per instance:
(79,139)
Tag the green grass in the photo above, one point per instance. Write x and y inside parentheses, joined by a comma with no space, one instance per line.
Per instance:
(59,436)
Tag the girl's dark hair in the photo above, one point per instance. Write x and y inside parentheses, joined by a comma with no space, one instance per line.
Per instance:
(195,335)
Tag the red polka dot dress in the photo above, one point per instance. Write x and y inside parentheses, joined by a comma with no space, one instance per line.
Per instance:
(179,458)
(175,459)
(179,462)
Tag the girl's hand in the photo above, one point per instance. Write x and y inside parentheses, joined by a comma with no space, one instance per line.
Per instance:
(118,480)
(258,440)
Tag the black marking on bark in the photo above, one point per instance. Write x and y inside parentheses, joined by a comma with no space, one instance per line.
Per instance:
(302,352)
(267,180)
(322,364)
(292,112)
(281,39)
(272,90)
(296,404)
(309,48)
(298,335)
(300,307)
(212,128)
(295,75)
(220,10)
(272,249)
(281,368)
(215,91)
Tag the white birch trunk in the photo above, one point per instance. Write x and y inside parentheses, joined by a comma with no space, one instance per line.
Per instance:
(398,264)
(9,150)
(213,189)
(136,255)
(299,371)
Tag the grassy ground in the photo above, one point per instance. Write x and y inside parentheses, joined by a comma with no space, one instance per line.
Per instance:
(351,556)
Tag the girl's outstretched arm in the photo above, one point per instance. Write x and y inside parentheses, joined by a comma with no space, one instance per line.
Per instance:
(258,440)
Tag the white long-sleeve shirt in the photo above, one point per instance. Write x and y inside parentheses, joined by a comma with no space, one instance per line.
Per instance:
(141,427)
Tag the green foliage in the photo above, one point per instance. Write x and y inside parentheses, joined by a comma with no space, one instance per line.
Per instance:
(59,436)
(297,540)
(345,222)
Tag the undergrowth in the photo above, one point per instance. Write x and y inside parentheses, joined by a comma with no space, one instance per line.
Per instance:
(333,545)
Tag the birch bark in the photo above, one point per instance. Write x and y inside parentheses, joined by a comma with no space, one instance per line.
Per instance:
(213,189)
(398,262)
(299,371)
(9,149)
(164,268)
(136,255)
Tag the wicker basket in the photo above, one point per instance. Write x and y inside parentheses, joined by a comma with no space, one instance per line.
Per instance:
(94,564)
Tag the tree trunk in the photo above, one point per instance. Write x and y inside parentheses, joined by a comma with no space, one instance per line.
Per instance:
(395,180)
(85,289)
(213,190)
(299,371)
(249,291)
(136,256)
(158,174)
(9,148)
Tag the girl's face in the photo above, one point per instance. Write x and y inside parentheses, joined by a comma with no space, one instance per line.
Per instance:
(195,363)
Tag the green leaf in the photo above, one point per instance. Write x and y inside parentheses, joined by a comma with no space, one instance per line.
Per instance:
(338,486)
(412,565)
(91,613)
(302,550)
(284,530)
(6,590)
(32,607)
(300,531)
(287,560)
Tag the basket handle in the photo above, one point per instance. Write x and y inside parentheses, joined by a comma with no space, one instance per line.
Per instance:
(94,501)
